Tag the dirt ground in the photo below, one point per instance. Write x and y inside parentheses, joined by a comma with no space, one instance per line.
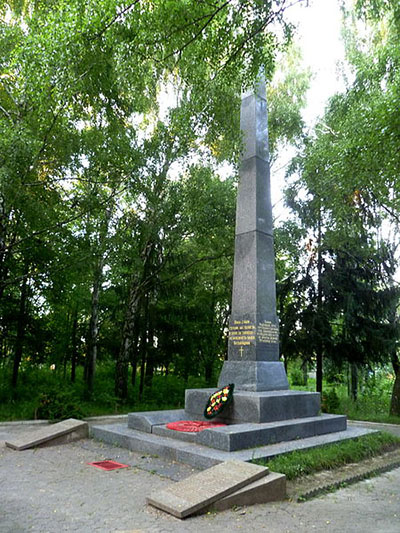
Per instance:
(53,489)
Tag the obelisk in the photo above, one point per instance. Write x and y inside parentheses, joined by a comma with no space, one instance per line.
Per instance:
(253,346)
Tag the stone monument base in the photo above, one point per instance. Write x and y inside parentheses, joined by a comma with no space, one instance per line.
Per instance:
(256,407)
(254,375)
(258,425)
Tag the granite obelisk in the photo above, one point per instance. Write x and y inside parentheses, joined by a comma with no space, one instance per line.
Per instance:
(253,347)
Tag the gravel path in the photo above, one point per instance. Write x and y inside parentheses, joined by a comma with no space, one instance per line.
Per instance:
(53,490)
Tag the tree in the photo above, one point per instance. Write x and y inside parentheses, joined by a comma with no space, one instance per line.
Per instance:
(352,191)
(90,146)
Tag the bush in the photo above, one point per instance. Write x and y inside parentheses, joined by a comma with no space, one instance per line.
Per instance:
(330,401)
(56,404)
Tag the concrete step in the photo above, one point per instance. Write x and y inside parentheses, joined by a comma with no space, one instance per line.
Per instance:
(201,456)
(241,436)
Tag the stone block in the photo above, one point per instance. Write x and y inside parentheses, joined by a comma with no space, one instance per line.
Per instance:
(254,125)
(203,489)
(242,436)
(145,420)
(327,423)
(254,376)
(253,211)
(58,433)
(270,488)
(258,407)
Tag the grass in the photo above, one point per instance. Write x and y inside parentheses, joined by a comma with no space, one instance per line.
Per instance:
(372,404)
(330,456)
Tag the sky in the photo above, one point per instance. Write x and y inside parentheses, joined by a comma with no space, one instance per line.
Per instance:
(318,34)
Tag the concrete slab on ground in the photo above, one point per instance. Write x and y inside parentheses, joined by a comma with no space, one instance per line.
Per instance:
(203,489)
(271,488)
(67,430)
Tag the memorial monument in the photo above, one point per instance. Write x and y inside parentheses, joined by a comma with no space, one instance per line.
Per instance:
(261,387)
(253,346)
(263,411)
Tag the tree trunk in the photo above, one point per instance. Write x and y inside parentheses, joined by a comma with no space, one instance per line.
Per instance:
(395,401)
(93,333)
(94,326)
(137,289)
(74,348)
(319,351)
(135,353)
(208,368)
(133,371)
(144,347)
(150,355)
(142,363)
(353,381)
(122,365)
(21,327)
(3,247)
(304,369)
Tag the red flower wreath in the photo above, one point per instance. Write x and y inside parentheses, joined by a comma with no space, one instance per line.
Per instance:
(218,401)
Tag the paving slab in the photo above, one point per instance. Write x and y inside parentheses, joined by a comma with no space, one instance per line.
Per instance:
(201,490)
(64,431)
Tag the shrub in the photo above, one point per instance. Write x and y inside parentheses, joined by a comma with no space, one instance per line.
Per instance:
(330,401)
(56,404)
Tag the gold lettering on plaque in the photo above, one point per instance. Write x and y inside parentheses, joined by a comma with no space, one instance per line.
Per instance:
(267,332)
(242,333)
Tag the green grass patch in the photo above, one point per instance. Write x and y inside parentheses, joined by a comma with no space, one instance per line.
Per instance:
(300,463)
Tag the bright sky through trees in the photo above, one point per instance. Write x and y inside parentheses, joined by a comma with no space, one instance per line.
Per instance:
(318,33)
(319,36)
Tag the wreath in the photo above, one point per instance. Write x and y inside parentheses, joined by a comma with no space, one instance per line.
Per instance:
(217,402)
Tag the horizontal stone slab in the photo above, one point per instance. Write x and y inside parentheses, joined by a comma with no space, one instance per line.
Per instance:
(145,420)
(258,407)
(51,434)
(203,489)
(241,436)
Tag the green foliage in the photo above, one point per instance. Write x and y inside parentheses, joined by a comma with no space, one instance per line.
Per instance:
(340,303)
(55,404)
(301,463)
(330,401)
(170,391)
(297,377)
